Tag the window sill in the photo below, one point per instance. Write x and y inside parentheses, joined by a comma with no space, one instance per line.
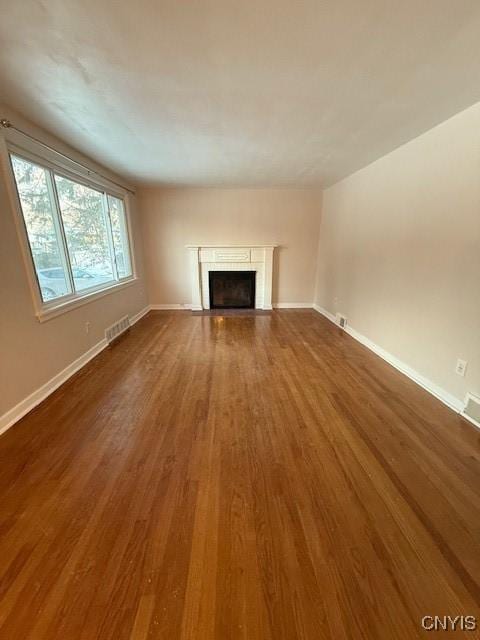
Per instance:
(47,313)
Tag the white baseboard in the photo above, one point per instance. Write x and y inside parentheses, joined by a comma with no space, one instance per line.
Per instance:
(30,402)
(444,396)
(325,313)
(292,305)
(277,305)
(166,307)
(138,316)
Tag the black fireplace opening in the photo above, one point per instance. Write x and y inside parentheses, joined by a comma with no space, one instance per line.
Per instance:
(232,289)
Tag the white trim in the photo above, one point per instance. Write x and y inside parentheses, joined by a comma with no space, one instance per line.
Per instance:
(324,312)
(138,316)
(30,402)
(35,398)
(267,275)
(444,396)
(277,305)
(194,254)
(165,307)
(72,303)
(470,396)
(292,305)
(471,420)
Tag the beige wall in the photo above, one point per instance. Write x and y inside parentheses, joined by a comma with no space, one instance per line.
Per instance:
(172,218)
(31,353)
(400,252)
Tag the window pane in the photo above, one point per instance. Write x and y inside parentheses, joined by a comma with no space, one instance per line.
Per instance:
(86,233)
(120,236)
(42,228)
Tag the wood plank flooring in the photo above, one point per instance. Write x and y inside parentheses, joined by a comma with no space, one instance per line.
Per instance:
(254,477)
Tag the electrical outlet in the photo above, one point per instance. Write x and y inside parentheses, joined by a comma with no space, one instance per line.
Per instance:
(87,327)
(461,367)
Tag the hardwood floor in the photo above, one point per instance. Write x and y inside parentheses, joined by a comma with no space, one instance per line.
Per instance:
(255,477)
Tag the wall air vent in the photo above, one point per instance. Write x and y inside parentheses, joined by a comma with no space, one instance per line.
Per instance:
(116,330)
(341,320)
(471,410)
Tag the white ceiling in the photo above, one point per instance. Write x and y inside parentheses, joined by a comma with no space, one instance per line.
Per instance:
(239,92)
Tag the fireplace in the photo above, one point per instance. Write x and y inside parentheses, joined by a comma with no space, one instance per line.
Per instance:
(215,257)
(232,289)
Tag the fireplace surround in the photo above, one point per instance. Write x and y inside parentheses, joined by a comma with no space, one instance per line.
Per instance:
(203,259)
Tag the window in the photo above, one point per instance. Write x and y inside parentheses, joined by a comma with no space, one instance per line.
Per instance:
(78,234)
(35,191)
(120,236)
(86,231)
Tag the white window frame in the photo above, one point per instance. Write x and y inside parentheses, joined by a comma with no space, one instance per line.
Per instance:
(47,310)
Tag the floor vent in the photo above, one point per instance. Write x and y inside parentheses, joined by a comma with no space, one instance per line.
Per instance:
(116,330)
(471,411)
(341,321)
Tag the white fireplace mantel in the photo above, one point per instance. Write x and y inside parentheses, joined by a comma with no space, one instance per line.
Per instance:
(231,257)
